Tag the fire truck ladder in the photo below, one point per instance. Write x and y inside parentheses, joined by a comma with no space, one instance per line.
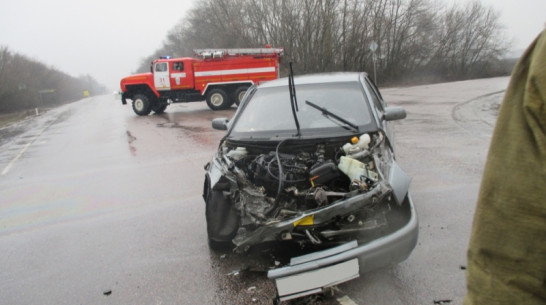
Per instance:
(218,53)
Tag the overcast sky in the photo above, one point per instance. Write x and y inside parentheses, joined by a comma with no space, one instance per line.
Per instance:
(108,39)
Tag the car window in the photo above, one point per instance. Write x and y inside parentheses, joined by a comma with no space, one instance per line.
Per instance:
(374,87)
(161,67)
(178,66)
(375,96)
(270,109)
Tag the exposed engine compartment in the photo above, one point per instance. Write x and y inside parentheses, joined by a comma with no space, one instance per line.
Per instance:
(308,191)
(312,175)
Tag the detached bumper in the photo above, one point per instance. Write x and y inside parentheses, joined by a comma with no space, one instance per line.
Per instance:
(338,263)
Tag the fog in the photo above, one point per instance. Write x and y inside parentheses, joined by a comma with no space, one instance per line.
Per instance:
(523,20)
(108,39)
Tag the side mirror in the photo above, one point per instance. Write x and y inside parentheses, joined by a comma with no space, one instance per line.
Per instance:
(220,123)
(394,113)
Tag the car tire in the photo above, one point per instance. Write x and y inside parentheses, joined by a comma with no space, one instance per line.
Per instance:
(222,220)
(141,104)
(159,109)
(239,93)
(217,99)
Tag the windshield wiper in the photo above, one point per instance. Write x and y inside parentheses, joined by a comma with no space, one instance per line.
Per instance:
(293,100)
(328,113)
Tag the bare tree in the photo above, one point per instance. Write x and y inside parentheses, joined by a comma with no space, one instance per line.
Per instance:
(469,38)
(26,83)
(415,37)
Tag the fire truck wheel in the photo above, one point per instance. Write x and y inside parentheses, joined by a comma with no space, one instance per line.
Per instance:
(159,109)
(141,104)
(217,99)
(239,93)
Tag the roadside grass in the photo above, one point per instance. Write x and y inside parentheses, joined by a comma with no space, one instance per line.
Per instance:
(13,117)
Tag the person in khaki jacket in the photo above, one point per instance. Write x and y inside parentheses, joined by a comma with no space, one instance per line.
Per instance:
(507,250)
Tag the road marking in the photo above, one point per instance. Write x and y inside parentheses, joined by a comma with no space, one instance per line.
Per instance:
(345,300)
(10,165)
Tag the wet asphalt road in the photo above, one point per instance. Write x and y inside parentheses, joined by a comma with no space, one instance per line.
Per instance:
(100,206)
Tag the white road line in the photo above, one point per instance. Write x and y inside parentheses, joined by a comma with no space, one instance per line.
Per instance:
(345,300)
(10,165)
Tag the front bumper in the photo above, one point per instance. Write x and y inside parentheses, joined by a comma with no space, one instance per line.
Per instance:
(124,98)
(390,249)
(321,215)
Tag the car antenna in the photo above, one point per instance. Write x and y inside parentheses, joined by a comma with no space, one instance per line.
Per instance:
(293,100)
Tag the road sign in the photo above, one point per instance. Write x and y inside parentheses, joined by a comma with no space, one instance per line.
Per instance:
(373,46)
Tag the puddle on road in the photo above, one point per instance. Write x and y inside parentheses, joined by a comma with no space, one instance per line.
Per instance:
(130,140)
(198,134)
(177,125)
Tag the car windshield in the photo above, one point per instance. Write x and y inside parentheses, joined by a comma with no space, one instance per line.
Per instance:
(268,112)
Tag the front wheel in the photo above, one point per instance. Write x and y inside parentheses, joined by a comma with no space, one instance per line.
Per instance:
(222,220)
(142,104)
(217,99)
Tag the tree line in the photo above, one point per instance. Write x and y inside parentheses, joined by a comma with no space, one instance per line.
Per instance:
(417,40)
(26,84)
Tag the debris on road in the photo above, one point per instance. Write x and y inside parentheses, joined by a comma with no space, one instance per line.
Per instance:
(234,272)
(345,300)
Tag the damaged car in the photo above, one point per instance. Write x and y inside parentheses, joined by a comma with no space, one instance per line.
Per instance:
(310,160)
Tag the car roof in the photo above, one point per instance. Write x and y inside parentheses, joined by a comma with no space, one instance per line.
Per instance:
(334,77)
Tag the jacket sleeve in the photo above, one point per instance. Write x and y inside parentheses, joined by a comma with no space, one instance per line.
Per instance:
(507,250)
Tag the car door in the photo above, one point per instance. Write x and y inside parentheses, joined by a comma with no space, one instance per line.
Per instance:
(181,75)
(161,76)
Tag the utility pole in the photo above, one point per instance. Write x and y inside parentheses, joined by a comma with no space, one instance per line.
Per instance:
(373,48)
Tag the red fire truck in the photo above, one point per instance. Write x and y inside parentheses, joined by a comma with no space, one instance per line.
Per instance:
(219,76)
